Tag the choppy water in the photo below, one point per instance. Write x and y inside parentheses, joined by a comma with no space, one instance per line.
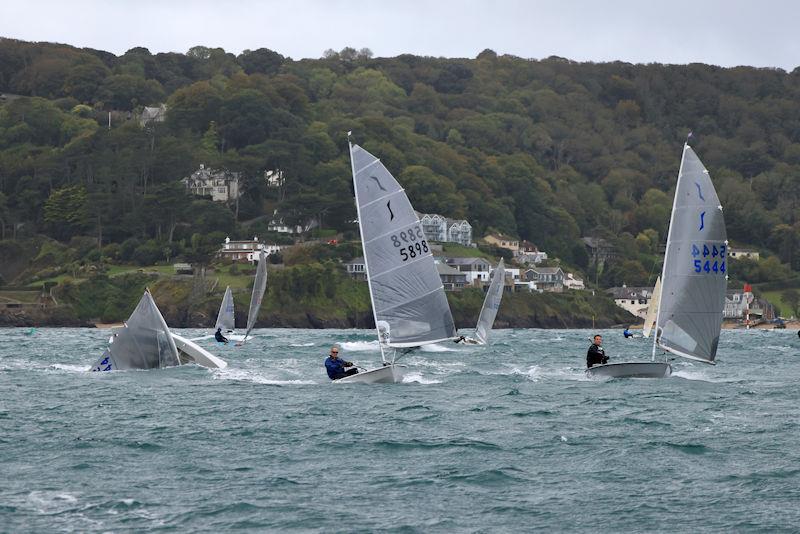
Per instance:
(509,437)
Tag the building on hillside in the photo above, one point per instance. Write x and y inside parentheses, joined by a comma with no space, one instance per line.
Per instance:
(452,279)
(446,230)
(221,186)
(245,251)
(183,268)
(573,282)
(529,254)
(549,279)
(633,299)
(356,269)
(600,251)
(475,269)
(742,305)
(277,224)
(744,253)
(274,178)
(153,115)
(502,241)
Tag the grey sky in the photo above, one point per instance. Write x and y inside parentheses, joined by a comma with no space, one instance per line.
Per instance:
(728,33)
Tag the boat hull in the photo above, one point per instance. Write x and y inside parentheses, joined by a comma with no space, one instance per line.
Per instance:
(191,352)
(630,370)
(388,374)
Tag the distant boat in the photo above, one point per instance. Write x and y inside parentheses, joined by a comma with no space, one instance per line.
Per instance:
(259,287)
(407,295)
(145,342)
(225,317)
(693,280)
(652,309)
(491,303)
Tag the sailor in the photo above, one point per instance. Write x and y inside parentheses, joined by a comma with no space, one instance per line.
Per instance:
(627,333)
(336,367)
(460,339)
(219,337)
(596,355)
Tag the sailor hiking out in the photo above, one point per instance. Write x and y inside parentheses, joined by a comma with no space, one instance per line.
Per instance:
(596,355)
(336,367)
(219,337)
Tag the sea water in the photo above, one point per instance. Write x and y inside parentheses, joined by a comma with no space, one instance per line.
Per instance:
(503,438)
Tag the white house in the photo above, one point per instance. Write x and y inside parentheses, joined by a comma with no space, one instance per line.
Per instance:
(153,114)
(528,253)
(573,282)
(357,269)
(245,250)
(221,186)
(274,178)
(743,253)
(502,241)
(633,299)
(277,224)
(445,230)
(476,269)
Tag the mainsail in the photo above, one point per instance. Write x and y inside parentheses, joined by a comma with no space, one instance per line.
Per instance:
(225,317)
(259,286)
(694,278)
(491,303)
(408,298)
(144,342)
(652,309)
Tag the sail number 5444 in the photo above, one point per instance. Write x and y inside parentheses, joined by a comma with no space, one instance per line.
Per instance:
(708,259)
(410,243)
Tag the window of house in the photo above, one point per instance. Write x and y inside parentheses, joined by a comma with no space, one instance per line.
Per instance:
(633,302)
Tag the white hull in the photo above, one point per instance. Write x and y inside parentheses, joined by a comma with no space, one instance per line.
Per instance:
(631,370)
(388,374)
(191,352)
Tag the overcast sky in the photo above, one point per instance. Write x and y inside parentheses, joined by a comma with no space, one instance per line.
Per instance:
(760,33)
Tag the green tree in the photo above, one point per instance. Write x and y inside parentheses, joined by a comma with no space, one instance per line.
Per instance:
(66,210)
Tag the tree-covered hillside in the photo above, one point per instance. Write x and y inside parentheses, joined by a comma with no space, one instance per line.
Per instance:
(547,150)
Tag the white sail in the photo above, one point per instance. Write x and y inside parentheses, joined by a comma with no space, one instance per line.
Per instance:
(491,304)
(693,281)
(652,309)
(225,317)
(259,287)
(408,299)
(145,341)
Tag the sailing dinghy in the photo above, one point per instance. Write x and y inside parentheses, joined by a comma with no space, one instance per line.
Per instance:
(693,279)
(407,295)
(491,303)
(226,320)
(259,287)
(145,342)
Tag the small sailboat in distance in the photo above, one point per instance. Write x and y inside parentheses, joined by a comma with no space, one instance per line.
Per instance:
(693,279)
(407,295)
(226,317)
(259,287)
(491,303)
(145,342)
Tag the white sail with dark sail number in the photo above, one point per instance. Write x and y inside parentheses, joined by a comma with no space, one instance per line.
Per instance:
(694,279)
(491,304)
(225,317)
(408,297)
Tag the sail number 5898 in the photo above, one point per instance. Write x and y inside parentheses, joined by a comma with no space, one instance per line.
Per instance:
(410,243)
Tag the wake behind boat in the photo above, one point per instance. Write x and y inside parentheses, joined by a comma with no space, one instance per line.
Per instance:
(407,295)
(693,279)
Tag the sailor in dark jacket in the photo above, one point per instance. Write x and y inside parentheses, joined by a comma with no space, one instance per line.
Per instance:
(219,337)
(596,354)
(336,367)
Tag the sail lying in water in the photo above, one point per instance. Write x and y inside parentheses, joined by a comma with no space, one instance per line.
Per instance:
(144,342)
(652,309)
(491,304)
(226,318)
(259,287)
(694,278)
(408,298)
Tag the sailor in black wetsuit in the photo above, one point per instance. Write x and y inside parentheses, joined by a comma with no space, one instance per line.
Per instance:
(219,337)
(596,355)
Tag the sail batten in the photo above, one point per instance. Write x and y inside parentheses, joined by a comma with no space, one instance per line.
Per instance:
(491,304)
(693,281)
(405,289)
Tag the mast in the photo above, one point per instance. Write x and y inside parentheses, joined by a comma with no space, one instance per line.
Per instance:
(666,251)
(361,235)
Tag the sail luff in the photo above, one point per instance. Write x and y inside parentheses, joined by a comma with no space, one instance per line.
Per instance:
(491,304)
(652,309)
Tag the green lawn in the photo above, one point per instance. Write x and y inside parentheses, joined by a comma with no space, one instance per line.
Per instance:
(774,297)
(19,296)
(455,250)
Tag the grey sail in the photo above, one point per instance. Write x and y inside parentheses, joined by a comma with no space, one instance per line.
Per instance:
(491,304)
(144,342)
(408,298)
(225,317)
(259,287)
(694,277)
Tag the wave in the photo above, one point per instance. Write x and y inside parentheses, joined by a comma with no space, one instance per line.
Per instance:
(359,346)
(243,375)
(435,347)
(414,377)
